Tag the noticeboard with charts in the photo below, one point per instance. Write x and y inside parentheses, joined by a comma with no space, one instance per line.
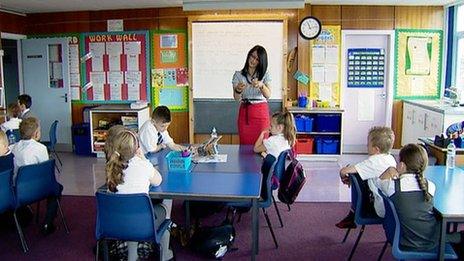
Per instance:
(366,68)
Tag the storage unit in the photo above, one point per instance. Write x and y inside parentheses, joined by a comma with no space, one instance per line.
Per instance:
(105,116)
(319,133)
(427,119)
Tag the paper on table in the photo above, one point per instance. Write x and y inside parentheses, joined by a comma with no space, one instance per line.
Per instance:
(331,54)
(366,104)
(97,78)
(132,48)
(212,159)
(98,93)
(115,92)
(317,74)
(318,54)
(133,91)
(325,92)
(331,73)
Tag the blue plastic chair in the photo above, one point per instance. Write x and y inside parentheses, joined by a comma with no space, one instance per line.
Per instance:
(7,201)
(392,229)
(128,217)
(37,182)
(51,144)
(279,170)
(362,215)
(265,200)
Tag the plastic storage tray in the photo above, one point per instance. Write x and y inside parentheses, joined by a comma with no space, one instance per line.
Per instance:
(304,145)
(178,163)
(328,122)
(327,145)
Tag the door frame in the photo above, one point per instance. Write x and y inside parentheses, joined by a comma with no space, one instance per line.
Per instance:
(18,38)
(391,63)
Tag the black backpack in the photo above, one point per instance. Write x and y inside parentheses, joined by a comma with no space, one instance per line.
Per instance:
(292,181)
(213,242)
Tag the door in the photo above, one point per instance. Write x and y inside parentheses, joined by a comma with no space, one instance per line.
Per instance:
(46,80)
(369,105)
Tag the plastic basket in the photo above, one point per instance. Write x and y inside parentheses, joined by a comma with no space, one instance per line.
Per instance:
(178,163)
(326,145)
(328,122)
(304,145)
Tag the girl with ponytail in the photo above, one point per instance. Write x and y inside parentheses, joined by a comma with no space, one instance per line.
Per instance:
(283,135)
(412,193)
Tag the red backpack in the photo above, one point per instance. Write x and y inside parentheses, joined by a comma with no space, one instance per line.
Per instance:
(292,181)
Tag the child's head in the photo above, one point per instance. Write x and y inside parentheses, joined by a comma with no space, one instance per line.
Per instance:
(125,145)
(283,122)
(14,110)
(24,101)
(414,160)
(3,143)
(29,128)
(161,118)
(112,132)
(380,140)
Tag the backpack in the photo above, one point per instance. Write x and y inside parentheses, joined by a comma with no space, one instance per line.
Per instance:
(213,242)
(292,181)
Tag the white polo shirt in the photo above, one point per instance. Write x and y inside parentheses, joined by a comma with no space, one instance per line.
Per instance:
(136,176)
(27,152)
(408,183)
(149,137)
(12,124)
(275,144)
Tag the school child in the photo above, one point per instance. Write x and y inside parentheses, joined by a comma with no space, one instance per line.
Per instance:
(25,103)
(154,134)
(13,113)
(112,132)
(411,194)
(6,157)
(379,143)
(30,151)
(128,172)
(283,135)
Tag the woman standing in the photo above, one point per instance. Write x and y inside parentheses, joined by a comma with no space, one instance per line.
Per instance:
(252,90)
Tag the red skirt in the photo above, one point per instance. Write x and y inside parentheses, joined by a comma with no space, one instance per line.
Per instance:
(252,120)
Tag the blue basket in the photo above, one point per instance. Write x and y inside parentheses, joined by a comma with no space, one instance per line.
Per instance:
(300,123)
(308,124)
(328,122)
(178,163)
(326,145)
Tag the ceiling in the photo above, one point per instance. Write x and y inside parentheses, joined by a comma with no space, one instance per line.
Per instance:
(44,6)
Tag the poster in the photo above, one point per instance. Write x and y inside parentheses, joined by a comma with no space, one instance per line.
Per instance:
(116,67)
(366,68)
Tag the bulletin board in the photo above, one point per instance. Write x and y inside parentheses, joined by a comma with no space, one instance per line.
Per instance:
(418,58)
(115,66)
(2,88)
(325,66)
(366,68)
(74,40)
(169,74)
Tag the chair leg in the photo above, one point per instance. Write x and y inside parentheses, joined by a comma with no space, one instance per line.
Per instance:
(278,212)
(160,253)
(97,252)
(58,157)
(346,235)
(288,206)
(270,228)
(383,251)
(37,209)
(20,233)
(63,220)
(357,241)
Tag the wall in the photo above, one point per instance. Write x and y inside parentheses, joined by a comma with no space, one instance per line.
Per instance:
(349,17)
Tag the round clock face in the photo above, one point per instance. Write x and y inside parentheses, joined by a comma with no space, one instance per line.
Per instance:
(310,27)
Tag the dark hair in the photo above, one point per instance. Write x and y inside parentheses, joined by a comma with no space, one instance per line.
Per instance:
(25,100)
(286,119)
(13,110)
(262,64)
(416,160)
(162,114)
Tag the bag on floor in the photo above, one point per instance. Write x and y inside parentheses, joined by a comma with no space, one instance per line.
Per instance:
(292,182)
(213,242)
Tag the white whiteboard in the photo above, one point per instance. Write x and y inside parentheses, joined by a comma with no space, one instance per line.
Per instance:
(220,48)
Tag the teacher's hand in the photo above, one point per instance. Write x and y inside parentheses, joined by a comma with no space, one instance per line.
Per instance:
(257,84)
(240,87)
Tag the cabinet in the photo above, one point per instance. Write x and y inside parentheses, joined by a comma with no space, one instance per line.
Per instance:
(319,133)
(427,119)
(102,117)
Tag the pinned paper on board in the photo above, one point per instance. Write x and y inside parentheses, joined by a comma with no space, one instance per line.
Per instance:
(301,77)
(366,104)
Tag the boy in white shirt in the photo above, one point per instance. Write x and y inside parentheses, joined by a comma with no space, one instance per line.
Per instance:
(29,151)
(379,143)
(154,134)
(13,113)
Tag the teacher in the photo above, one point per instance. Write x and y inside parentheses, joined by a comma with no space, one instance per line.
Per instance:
(251,88)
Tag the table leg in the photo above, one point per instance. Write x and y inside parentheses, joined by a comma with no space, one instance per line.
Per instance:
(187,215)
(254,229)
(441,245)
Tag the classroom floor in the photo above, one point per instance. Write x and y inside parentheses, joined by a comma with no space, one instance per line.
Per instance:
(82,175)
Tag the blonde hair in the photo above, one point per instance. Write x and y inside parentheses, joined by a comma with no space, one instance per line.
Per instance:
(125,145)
(28,128)
(112,132)
(286,119)
(381,137)
(416,160)
(3,138)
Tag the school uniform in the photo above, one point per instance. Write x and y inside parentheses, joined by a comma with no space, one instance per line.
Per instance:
(12,124)
(136,179)
(27,113)
(253,115)
(275,144)
(370,169)
(7,161)
(150,138)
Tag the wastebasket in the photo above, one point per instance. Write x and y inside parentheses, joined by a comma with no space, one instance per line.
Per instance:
(81,139)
